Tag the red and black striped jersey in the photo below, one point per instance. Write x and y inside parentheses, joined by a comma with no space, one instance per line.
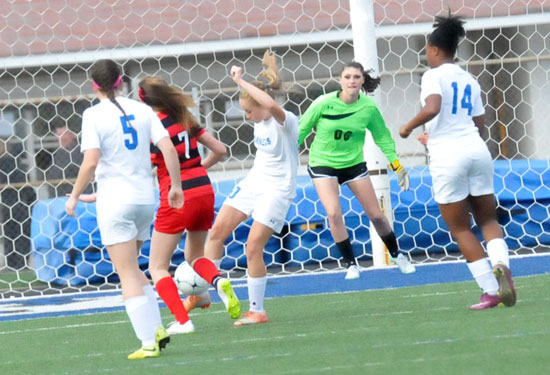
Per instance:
(194,179)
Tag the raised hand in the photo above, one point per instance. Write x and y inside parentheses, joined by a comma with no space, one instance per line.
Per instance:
(236,73)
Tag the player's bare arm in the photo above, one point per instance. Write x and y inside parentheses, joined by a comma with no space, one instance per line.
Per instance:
(217,149)
(428,112)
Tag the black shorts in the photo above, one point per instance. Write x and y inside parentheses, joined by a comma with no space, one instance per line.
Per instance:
(344,175)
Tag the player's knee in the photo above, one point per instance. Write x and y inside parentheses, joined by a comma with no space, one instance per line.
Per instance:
(484,219)
(334,216)
(216,234)
(253,252)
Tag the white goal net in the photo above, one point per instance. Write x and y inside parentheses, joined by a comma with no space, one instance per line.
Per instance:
(47,48)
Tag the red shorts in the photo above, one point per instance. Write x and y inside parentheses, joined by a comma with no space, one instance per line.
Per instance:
(197,214)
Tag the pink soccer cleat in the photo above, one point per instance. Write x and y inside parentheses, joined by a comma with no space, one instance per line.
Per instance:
(506,290)
(486,301)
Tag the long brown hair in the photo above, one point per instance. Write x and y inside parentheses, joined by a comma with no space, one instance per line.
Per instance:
(107,77)
(157,93)
(271,73)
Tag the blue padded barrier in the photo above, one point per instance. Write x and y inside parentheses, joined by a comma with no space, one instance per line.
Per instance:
(68,251)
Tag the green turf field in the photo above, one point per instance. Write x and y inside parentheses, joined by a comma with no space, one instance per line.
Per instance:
(415,330)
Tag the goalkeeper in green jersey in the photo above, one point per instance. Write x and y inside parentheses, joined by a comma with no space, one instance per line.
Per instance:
(341,119)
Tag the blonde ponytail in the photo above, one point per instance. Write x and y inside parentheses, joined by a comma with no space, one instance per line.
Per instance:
(271,73)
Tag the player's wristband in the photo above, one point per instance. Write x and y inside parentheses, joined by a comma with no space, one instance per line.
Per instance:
(395,165)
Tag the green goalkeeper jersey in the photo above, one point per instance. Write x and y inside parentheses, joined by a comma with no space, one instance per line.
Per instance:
(340,131)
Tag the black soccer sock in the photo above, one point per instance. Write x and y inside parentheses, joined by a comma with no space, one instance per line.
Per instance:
(391,243)
(347,252)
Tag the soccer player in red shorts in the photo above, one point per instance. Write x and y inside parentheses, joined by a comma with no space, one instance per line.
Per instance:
(196,215)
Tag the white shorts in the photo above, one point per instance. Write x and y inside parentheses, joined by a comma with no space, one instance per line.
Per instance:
(460,169)
(266,207)
(124,222)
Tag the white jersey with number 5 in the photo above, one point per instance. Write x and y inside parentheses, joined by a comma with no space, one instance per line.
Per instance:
(123,174)
(460,101)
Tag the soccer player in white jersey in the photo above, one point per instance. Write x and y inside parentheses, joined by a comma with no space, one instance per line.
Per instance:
(116,136)
(267,191)
(460,163)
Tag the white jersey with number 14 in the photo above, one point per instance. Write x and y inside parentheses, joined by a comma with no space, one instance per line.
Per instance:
(460,101)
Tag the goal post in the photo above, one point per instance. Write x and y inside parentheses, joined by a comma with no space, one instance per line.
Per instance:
(365,52)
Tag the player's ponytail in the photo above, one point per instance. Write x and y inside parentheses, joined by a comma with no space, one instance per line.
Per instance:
(271,73)
(107,77)
(370,83)
(157,93)
(447,33)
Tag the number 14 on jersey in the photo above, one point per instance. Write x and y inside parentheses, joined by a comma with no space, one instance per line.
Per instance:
(465,102)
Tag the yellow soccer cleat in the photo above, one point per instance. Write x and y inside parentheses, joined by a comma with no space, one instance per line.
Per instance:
(232,305)
(146,352)
(162,337)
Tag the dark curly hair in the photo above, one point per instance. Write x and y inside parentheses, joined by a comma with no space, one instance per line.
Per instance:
(448,32)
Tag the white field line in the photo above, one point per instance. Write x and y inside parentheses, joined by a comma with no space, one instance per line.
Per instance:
(116,301)
(89,302)
(334,369)
(439,359)
(326,369)
(171,365)
(440,341)
(441,308)
(241,283)
(73,326)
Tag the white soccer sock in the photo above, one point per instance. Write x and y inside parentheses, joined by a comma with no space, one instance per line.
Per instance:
(152,297)
(256,293)
(217,262)
(483,274)
(139,310)
(498,252)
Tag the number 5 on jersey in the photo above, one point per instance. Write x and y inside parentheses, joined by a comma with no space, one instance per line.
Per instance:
(131,143)
(466,101)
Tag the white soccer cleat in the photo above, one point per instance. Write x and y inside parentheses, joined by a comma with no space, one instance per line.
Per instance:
(176,328)
(405,266)
(353,272)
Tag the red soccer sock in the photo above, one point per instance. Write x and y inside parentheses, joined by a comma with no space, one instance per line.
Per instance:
(206,269)
(168,291)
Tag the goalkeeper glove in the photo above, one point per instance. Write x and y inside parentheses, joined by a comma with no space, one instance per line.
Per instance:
(402,176)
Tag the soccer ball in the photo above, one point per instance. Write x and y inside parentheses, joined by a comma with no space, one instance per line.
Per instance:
(188,281)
